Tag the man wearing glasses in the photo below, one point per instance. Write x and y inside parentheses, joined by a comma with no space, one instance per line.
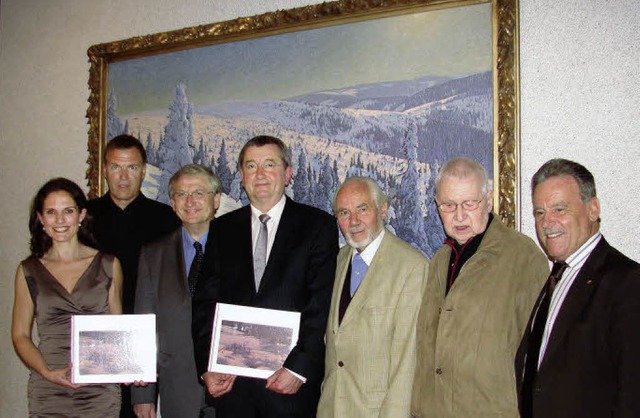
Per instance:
(168,271)
(277,254)
(482,285)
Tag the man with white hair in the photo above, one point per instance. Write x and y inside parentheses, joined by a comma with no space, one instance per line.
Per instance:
(482,285)
(371,345)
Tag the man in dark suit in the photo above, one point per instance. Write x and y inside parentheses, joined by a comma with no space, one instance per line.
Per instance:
(167,271)
(579,354)
(300,255)
(125,219)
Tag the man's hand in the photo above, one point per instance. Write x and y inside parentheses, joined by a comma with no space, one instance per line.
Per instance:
(218,384)
(284,382)
(144,410)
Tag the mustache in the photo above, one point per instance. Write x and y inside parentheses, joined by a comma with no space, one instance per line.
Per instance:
(551,231)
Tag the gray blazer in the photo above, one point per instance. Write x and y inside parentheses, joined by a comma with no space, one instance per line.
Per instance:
(162,289)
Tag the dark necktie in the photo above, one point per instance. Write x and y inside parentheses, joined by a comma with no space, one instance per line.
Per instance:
(535,337)
(196,265)
(345,296)
(260,254)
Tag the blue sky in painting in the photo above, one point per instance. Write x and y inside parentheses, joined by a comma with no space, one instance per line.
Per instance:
(451,41)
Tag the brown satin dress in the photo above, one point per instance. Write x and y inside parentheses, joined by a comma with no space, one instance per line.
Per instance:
(54,306)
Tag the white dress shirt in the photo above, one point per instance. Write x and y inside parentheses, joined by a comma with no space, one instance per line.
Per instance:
(575,262)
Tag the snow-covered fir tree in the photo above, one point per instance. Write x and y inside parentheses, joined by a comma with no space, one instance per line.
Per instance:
(221,168)
(115,126)
(176,147)
(301,183)
(151,151)
(200,156)
(409,223)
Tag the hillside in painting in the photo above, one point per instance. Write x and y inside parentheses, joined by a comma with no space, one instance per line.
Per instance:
(398,132)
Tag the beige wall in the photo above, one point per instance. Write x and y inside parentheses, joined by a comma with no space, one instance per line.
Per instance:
(580,99)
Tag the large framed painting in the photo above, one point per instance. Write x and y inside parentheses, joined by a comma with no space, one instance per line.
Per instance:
(387,89)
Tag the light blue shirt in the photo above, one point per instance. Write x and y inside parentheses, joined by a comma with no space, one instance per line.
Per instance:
(188,250)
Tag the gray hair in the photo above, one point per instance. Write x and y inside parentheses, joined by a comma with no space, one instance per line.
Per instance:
(378,196)
(262,140)
(462,168)
(561,167)
(196,170)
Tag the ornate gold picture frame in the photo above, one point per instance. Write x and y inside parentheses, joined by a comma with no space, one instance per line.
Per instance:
(504,71)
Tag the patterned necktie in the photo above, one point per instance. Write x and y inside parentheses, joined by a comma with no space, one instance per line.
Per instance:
(260,253)
(556,275)
(535,338)
(358,270)
(196,265)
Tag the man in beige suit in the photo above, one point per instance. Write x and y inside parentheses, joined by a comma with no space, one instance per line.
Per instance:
(370,354)
(482,286)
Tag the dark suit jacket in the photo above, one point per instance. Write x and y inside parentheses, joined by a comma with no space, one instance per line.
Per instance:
(298,277)
(163,290)
(591,367)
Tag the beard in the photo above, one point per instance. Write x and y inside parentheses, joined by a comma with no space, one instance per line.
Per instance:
(371,235)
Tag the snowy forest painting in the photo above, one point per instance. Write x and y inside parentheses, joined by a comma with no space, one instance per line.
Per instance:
(391,98)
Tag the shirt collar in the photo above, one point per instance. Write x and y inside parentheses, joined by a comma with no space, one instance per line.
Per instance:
(130,207)
(188,241)
(368,253)
(584,250)
(274,213)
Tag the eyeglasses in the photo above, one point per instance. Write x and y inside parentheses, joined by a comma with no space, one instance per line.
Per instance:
(468,205)
(344,214)
(198,194)
(268,166)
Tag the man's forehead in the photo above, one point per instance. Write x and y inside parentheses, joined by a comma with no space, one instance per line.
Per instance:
(191,179)
(271,149)
(450,185)
(355,191)
(132,155)
(557,187)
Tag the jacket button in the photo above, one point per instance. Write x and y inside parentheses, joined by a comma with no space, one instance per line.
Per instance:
(438,370)
(340,364)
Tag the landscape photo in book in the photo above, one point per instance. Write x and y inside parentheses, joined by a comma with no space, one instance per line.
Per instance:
(256,346)
(108,352)
(113,348)
(392,98)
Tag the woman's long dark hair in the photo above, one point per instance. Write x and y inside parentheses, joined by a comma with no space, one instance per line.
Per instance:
(40,241)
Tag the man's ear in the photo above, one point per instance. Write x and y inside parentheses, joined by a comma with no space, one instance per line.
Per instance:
(593,207)
(288,173)
(383,211)
(490,200)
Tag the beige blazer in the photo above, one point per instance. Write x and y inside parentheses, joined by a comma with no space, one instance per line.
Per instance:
(370,356)
(467,340)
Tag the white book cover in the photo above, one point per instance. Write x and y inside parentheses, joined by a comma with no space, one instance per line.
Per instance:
(251,342)
(113,348)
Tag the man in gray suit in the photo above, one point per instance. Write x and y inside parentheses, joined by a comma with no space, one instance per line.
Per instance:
(167,274)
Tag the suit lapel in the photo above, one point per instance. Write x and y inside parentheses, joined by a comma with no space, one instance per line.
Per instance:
(180,263)
(342,265)
(244,241)
(523,348)
(577,299)
(286,229)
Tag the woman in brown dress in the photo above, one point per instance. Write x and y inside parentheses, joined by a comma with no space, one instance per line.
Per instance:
(65,275)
